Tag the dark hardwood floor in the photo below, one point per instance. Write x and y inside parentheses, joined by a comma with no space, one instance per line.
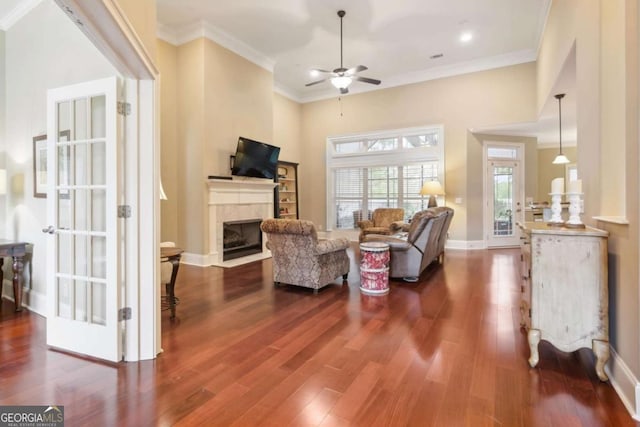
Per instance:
(446,351)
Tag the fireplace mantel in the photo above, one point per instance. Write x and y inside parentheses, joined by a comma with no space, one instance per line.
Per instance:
(244,185)
(233,200)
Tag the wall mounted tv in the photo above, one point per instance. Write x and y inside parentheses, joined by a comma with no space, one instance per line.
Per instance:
(255,159)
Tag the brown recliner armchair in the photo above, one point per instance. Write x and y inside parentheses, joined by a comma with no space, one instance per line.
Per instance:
(299,258)
(383,221)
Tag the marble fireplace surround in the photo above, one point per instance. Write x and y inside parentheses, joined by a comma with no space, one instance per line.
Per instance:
(235,200)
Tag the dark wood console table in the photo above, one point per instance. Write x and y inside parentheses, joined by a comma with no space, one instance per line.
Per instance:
(172,255)
(16,250)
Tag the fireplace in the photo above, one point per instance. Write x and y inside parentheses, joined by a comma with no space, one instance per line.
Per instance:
(235,201)
(241,238)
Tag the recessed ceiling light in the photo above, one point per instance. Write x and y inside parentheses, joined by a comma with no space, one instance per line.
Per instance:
(314,73)
(466,37)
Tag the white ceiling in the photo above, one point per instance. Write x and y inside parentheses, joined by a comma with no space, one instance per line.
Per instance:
(395,40)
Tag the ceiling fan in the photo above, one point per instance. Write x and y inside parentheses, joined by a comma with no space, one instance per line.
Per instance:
(342,77)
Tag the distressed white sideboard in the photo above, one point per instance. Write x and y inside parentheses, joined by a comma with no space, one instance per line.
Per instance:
(564,292)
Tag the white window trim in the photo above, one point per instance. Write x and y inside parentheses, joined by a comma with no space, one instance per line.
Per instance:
(402,156)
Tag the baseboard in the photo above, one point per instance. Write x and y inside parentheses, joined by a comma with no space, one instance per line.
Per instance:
(198,260)
(33,300)
(624,383)
(465,244)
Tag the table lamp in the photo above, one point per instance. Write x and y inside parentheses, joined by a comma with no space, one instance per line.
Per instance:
(432,189)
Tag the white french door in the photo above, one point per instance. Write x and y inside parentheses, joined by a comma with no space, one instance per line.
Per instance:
(503,195)
(83,268)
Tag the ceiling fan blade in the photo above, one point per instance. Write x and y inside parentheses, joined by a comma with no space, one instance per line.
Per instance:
(316,82)
(318,70)
(367,80)
(356,69)
(344,90)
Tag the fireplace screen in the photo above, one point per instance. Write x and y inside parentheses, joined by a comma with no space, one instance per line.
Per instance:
(241,238)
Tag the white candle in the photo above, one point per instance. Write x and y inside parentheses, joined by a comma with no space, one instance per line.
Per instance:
(557,186)
(575,186)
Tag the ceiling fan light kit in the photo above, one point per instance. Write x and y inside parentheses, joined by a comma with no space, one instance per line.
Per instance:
(342,77)
(341,82)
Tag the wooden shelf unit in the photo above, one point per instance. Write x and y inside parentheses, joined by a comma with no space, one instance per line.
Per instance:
(285,199)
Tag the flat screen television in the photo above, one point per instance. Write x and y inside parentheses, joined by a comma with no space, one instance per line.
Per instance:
(255,159)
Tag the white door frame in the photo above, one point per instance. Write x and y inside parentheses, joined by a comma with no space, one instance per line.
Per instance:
(519,216)
(106,25)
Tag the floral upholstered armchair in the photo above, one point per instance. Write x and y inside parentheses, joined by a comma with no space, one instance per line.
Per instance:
(299,258)
(383,221)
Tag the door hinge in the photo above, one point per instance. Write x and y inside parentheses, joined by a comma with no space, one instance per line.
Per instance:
(124,211)
(124,108)
(529,313)
(124,314)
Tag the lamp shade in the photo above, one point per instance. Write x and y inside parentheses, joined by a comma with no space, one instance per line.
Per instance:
(561,159)
(432,188)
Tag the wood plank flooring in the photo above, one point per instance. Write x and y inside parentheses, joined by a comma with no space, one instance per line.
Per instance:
(446,351)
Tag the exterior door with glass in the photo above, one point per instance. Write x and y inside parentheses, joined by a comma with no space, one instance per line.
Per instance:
(504,204)
(83,267)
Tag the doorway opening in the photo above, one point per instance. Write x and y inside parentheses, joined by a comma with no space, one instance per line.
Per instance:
(504,189)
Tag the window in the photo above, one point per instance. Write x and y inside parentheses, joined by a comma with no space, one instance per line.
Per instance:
(502,153)
(367,172)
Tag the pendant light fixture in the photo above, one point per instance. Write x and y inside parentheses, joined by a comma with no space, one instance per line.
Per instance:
(560,159)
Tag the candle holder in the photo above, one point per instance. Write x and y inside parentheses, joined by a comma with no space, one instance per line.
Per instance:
(556,210)
(574,211)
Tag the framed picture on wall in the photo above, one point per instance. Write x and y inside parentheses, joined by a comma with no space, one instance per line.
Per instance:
(40,164)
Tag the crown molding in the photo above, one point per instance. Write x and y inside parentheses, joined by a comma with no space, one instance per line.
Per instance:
(286,92)
(451,70)
(545,145)
(197,30)
(164,32)
(542,23)
(17,13)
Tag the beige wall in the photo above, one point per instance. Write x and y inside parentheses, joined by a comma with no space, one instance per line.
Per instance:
(191,201)
(142,16)
(548,171)
(238,102)
(607,95)
(287,128)
(167,59)
(504,95)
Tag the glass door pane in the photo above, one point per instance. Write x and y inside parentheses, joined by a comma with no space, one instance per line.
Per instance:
(503,201)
